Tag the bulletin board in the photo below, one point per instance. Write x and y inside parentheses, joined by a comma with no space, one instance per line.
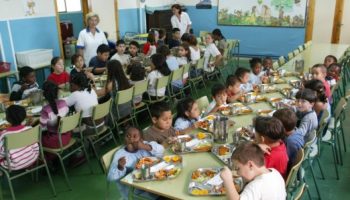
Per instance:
(275,13)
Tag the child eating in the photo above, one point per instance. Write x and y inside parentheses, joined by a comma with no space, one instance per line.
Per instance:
(333,74)
(58,74)
(328,60)
(232,88)
(187,115)
(218,92)
(243,76)
(319,72)
(256,75)
(123,58)
(99,62)
(26,85)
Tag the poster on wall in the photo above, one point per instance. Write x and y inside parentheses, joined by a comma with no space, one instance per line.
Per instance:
(276,13)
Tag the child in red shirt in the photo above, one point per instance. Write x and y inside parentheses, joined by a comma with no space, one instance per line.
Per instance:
(269,134)
(58,74)
(319,72)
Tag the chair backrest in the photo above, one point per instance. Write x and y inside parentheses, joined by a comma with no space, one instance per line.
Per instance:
(177,74)
(281,60)
(22,139)
(290,55)
(162,82)
(101,110)
(200,63)
(69,123)
(300,47)
(107,158)
(275,65)
(296,52)
(323,123)
(339,109)
(293,173)
(186,68)
(140,87)
(124,96)
(203,102)
(307,146)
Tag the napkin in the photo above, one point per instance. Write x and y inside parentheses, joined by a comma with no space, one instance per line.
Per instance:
(158,166)
(192,143)
(216,180)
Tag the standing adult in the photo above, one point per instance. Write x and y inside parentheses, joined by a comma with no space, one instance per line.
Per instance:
(180,19)
(90,37)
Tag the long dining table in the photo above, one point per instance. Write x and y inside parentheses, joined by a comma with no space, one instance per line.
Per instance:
(178,188)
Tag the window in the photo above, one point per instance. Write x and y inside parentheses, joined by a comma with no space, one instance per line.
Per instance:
(69,5)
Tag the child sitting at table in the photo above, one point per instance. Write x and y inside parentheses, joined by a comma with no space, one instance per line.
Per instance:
(233,90)
(333,74)
(218,93)
(161,130)
(256,75)
(79,66)
(187,115)
(328,60)
(319,72)
(99,62)
(175,40)
(125,159)
(26,85)
(162,36)
(307,118)
(243,76)
(134,48)
(159,68)
(50,117)
(150,47)
(120,55)
(184,54)
(267,65)
(58,74)
(263,182)
(270,132)
(22,157)
(294,140)
(218,36)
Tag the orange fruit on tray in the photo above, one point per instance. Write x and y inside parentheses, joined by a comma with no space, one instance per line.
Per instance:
(201,135)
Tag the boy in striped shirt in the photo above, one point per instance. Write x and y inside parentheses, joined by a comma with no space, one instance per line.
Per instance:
(22,157)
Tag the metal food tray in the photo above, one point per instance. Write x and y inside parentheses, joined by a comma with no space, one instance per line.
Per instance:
(209,139)
(201,185)
(209,120)
(177,165)
(224,158)
(247,110)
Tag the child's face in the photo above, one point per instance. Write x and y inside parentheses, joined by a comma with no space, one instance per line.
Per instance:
(318,74)
(245,171)
(182,51)
(194,112)
(257,69)
(103,56)
(121,48)
(208,39)
(30,78)
(268,64)
(328,61)
(164,121)
(177,35)
(221,98)
(334,71)
(245,78)
(133,50)
(234,88)
(79,63)
(304,105)
(132,138)
(58,67)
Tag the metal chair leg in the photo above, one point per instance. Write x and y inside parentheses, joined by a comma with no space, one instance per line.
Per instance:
(64,172)
(335,161)
(313,177)
(320,167)
(50,179)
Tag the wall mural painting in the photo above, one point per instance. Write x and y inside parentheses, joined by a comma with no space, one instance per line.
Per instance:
(277,13)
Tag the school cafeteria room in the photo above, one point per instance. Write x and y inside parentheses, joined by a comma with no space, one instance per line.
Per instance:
(174,99)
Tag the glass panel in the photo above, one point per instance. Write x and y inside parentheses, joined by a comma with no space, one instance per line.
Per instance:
(61,5)
(73,5)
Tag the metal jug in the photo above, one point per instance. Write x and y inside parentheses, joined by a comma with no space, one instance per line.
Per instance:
(36,97)
(221,129)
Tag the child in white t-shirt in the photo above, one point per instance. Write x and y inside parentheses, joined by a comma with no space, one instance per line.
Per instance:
(263,183)
(211,51)
(256,76)
(243,76)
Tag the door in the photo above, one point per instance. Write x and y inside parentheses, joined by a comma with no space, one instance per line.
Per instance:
(345,27)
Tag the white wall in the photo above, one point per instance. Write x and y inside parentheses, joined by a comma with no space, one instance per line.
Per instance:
(106,13)
(345,29)
(323,21)
(14,9)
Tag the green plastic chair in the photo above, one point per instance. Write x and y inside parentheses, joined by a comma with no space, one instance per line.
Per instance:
(203,103)
(281,61)
(290,55)
(20,140)
(186,70)
(293,184)
(173,92)
(101,111)
(122,97)
(75,145)
(216,72)
(140,87)
(296,52)
(275,65)
(161,82)
(300,48)
(195,81)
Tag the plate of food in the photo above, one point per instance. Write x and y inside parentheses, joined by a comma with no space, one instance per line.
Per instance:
(265,112)
(295,83)
(158,172)
(206,123)
(4,125)
(199,142)
(148,161)
(35,110)
(244,134)
(274,100)
(223,152)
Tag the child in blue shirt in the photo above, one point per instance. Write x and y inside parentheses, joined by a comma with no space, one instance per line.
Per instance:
(124,159)
(187,115)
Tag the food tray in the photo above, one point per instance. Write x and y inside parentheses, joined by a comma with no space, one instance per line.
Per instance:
(244,134)
(161,169)
(34,110)
(4,124)
(265,112)
(275,100)
(200,142)
(241,109)
(223,152)
(295,83)
(206,123)
(277,80)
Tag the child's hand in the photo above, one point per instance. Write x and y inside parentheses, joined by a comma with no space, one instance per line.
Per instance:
(226,175)
(24,87)
(266,149)
(121,163)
